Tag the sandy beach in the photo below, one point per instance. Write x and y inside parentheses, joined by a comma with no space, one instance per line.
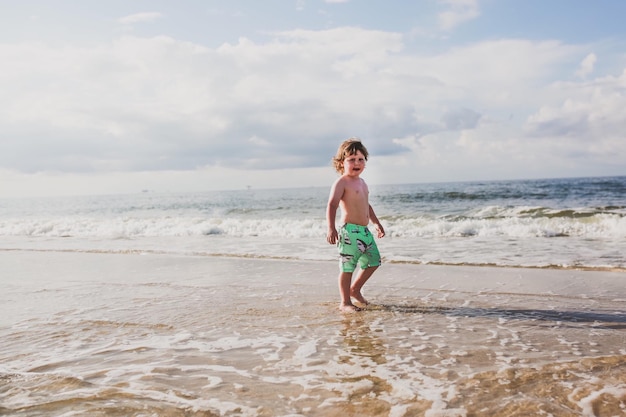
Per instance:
(147,334)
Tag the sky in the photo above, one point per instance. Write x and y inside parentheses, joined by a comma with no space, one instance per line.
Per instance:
(122,96)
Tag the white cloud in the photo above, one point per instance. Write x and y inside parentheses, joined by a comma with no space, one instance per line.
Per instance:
(460,119)
(257,141)
(587,65)
(140,17)
(588,120)
(459,11)
(137,105)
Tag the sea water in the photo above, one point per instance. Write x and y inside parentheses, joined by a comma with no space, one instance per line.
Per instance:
(578,222)
(225,304)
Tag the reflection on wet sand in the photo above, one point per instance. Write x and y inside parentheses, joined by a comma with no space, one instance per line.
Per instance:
(607,319)
(182,337)
(461,361)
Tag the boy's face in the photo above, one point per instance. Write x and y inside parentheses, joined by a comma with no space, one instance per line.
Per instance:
(353,165)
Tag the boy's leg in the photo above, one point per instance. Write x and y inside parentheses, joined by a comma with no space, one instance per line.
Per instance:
(345,279)
(361,279)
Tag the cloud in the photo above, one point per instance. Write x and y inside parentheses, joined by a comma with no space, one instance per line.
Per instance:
(140,17)
(460,119)
(163,105)
(587,65)
(588,120)
(459,11)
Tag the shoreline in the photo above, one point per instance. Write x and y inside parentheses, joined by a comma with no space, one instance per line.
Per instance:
(552,267)
(316,279)
(166,332)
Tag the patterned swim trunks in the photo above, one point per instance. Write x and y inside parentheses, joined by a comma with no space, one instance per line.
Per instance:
(357,246)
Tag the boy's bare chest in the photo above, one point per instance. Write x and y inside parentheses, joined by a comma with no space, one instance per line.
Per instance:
(356,192)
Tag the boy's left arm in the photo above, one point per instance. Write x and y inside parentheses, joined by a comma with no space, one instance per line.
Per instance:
(377,224)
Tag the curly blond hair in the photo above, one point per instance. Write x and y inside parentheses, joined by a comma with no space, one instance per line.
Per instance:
(347,148)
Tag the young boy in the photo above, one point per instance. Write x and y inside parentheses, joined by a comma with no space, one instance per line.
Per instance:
(354,240)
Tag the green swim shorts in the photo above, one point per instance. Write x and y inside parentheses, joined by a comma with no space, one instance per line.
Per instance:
(357,246)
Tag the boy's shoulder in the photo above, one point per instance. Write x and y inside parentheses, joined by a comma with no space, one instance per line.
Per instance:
(340,180)
(347,181)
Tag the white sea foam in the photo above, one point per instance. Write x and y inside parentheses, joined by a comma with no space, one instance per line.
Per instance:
(599,226)
(587,404)
(174,333)
(528,223)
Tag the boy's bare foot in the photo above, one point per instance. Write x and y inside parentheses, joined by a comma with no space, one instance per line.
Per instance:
(349,308)
(359,297)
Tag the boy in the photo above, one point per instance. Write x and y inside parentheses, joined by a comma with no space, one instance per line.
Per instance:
(354,240)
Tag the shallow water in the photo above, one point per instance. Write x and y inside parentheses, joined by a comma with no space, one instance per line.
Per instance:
(146,335)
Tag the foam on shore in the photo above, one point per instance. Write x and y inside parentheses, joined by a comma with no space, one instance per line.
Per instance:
(130,334)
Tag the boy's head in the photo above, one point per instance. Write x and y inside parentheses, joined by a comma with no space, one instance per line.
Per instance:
(347,148)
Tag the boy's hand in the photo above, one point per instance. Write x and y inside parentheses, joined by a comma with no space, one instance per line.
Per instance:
(380,230)
(331,236)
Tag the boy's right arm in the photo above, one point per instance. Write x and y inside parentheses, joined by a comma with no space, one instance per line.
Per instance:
(336,193)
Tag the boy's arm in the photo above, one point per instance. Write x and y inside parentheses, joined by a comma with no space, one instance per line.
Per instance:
(336,192)
(377,224)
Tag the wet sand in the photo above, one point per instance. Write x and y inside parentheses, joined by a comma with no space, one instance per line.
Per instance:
(137,335)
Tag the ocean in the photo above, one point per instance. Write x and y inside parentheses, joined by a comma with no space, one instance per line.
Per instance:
(557,223)
(495,299)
